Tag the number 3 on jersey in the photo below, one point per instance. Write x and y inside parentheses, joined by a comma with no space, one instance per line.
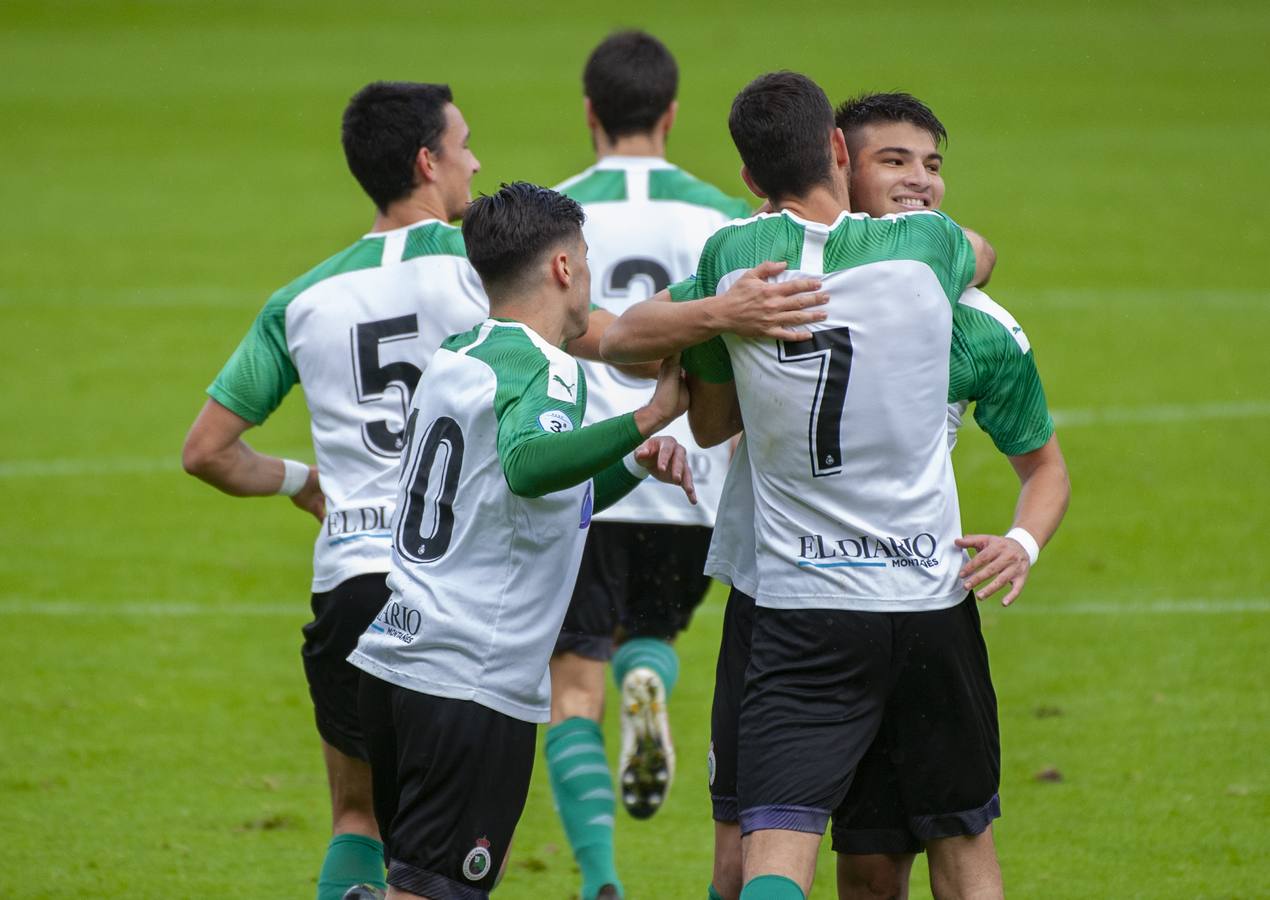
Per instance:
(831,349)
(425,523)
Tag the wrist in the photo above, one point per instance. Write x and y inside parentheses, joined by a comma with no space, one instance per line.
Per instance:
(648,421)
(1024,539)
(295,475)
(634,467)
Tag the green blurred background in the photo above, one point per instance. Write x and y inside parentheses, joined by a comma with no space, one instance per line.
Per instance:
(165,166)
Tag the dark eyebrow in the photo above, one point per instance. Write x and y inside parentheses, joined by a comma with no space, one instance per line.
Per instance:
(905,151)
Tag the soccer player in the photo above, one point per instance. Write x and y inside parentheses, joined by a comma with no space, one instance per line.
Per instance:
(855,512)
(641,573)
(893,141)
(498,485)
(356,332)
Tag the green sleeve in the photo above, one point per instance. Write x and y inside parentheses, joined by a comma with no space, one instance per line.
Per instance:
(1012,409)
(260,372)
(708,361)
(612,484)
(541,443)
(939,242)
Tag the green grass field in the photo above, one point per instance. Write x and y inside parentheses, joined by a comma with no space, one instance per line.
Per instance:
(166,165)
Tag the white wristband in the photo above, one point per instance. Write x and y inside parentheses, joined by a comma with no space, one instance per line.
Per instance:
(1027,541)
(635,468)
(295,475)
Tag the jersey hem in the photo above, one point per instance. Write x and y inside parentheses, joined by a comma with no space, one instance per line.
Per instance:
(537,715)
(344,573)
(863,604)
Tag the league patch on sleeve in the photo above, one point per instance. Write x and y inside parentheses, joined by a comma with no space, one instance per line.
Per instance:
(556,421)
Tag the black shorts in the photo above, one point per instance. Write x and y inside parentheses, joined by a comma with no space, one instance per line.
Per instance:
(886,721)
(635,581)
(449,778)
(725,712)
(340,616)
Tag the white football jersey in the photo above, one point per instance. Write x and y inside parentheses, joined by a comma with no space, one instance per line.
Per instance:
(646,223)
(990,364)
(481,578)
(854,501)
(356,332)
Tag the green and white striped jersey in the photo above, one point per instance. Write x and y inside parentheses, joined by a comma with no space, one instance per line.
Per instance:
(482,577)
(855,502)
(990,365)
(647,221)
(356,332)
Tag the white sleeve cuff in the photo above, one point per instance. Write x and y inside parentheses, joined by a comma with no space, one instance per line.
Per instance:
(1027,541)
(635,468)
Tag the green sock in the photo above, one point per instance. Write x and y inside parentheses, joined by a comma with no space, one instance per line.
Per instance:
(647,653)
(583,788)
(714,895)
(350,859)
(771,887)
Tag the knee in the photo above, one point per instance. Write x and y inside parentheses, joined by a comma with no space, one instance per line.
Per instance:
(577,690)
(872,877)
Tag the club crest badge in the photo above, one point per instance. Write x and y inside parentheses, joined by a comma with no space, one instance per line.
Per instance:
(476,864)
(710,763)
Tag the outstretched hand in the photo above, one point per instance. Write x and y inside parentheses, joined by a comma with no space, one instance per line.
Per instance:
(1001,559)
(754,307)
(667,460)
(310,498)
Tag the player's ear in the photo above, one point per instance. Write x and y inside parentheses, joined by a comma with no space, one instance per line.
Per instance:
(592,121)
(838,141)
(561,269)
(425,165)
(749,183)
(668,117)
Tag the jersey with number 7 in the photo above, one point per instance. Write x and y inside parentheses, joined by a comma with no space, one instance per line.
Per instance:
(856,505)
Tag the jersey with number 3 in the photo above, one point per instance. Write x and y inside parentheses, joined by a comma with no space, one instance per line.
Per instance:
(855,500)
(646,223)
(356,332)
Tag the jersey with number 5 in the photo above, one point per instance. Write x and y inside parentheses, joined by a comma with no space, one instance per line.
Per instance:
(647,221)
(356,332)
(855,501)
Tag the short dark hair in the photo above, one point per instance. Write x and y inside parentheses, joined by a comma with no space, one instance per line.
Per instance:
(896,106)
(780,123)
(507,232)
(385,125)
(631,80)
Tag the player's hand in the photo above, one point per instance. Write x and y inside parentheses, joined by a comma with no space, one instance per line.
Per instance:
(667,460)
(754,307)
(310,498)
(998,558)
(669,400)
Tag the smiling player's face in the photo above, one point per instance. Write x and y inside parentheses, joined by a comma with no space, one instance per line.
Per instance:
(895,168)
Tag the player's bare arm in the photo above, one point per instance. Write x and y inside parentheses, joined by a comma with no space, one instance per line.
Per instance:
(714,412)
(588,347)
(664,457)
(752,307)
(1044,492)
(985,257)
(215,452)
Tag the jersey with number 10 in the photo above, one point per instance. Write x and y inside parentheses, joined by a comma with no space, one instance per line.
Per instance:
(646,221)
(356,332)
(855,500)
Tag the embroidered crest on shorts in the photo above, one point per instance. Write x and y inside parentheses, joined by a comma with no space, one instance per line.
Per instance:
(710,763)
(477,862)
